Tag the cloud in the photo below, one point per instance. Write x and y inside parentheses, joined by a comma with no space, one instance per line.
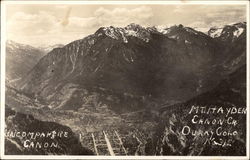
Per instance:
(208,16)
(33,28)
(178,9)
(82,23)
(31,23)
(42,25)
(65,21)
(123,16)
(198,24)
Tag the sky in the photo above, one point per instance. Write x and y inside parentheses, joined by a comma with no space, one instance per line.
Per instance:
(43,25)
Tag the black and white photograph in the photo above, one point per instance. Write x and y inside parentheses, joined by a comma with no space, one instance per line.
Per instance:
(122,78)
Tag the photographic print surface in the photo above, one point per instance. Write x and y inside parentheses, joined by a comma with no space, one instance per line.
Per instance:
(125,79)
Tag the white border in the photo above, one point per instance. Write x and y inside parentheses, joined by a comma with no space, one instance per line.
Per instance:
(98,2)
(184,2)
(2,98)
(248,80)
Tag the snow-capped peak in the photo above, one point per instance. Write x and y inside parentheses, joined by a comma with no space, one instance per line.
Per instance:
(236,29)
(119,33)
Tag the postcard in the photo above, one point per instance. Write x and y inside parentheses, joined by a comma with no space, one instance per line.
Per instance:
(124,80)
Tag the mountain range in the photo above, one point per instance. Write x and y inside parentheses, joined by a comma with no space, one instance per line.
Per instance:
(134,61)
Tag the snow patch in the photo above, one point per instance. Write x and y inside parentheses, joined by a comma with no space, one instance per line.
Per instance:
(173,36)
(111,33)
(125,57)
(238,32)
(123,37)
(216,33)
(91,41)
(187,42)
(100,34)
(190,31)
(162,29)
(203,30)
(131,33)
